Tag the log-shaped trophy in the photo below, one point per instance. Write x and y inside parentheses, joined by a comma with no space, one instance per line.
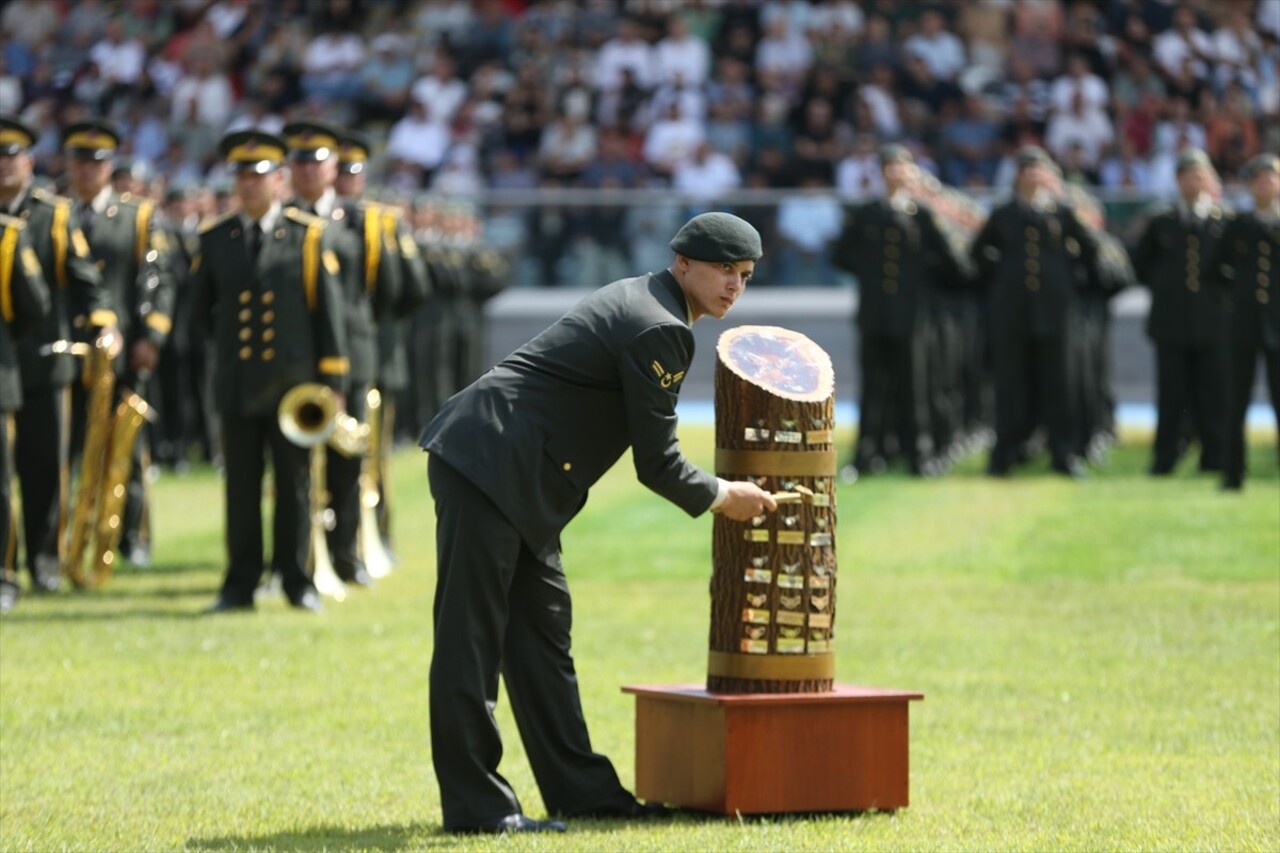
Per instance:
(774,581)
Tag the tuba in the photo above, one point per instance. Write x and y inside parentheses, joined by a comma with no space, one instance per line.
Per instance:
(97,522)
(309,417)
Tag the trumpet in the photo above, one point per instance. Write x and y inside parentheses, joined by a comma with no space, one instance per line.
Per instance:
(309,417)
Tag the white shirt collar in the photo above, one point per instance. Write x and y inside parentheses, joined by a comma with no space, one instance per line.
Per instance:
(268,220)
(19,198)
(99,201)
(325,204)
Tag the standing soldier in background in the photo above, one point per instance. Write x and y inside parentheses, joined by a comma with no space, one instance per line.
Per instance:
(42,426)
(1187,322)
(179,380)
(132,252)
(392,363)
(428,381)
(370,273)
(1026,254)
(24,302)
(899,255)
(265,283)
(475,275)
(1246,259)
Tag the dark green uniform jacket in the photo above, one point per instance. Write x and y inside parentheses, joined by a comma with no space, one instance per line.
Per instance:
(415,287)
(24,302)
(277,322)
(1246,261)
(1028,257)
(540,428)
(1172,258)
(75,288)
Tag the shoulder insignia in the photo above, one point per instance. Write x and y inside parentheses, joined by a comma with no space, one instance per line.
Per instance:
(206,227)
(330,259)
(408,247)
(196,261)
(665,378)
(12,221)
(301,216)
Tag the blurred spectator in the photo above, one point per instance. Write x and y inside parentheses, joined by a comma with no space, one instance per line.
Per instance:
(203,97)
(1178,130)
(783,52)
(441,89)
(681,55)
(459,172)
(877,47)
(671,140)
(253,113)
(625,52)
(1022,84)
(1079,80)
(442,20)
(567,147)
(11,97)
(858,174)
(1231,132)
(419,138)
(1134,80)
(525,112)
(920,84)
(120,62)
(1185,41)
(879,96)
(942,51)
(29,22)
(626,106)
(818,143)
(1125,169)
(807,223)
(969,145)
(331,66)
(690,97)
(385,80)
(707,175)
(1237,47)
(1079,129)
(1037,36)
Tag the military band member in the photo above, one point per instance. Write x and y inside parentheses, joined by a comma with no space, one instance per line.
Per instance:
(1246,260)
(1187,322)
(24,303)
(79,301)
(265,284)
(895,248)
(132,251)
(393,363)
(370,276)
(1026,254)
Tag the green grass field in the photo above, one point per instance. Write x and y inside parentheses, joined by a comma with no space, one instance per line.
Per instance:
(1101,664)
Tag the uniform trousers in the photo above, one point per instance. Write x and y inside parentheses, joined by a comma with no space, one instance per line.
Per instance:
(342,475)
(895,396)
(7,540)
(246,440)
(1032,384)
(499,608)
(1243,363)
(40,458)
(1190,377)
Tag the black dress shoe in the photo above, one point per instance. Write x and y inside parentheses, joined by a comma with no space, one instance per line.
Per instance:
(228,605)
(634,810)
(309,601)
(46,583)
(139,555)
(510,823)
(360,577)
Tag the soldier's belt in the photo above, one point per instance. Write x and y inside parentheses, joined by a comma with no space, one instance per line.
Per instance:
(776,463)
(772,667)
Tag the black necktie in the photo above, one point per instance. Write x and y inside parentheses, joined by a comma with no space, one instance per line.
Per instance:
(86,221)
(253,237)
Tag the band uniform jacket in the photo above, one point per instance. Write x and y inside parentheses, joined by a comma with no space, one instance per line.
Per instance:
(1245,261)
(1028,257)
(895,254)
(415,288)
(1172,258)
(369,275)
(535,432)
(277,321)
(24,302)
(142,285)
(76,291)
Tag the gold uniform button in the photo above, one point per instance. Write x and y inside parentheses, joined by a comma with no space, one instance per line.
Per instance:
(1264,279)
(268,316)
(1264,264)
(1263,298)
(1032,234)
(245,353)
(568,466)
(1033,283)
(245,315)
(268,298)
(245,334)
(268,335)
(1033,266)
(268,354)
(245,296)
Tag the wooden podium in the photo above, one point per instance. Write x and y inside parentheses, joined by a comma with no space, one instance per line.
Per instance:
(841,750)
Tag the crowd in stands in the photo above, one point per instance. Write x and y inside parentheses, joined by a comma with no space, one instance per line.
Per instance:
(704,96)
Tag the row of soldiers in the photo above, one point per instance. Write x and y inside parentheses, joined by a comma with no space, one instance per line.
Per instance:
(961,313)
(300,280)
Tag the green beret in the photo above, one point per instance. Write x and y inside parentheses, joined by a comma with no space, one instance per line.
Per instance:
(1191,157)
(716,237)
(1260,163)
(894,152)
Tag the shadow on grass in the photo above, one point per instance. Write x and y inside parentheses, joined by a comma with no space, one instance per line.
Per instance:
(114,614)
(414,836)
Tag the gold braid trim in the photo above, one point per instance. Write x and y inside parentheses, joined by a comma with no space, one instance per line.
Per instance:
(8,256)
(311,262)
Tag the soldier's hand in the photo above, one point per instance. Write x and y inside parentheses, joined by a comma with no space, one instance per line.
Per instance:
(746,500)
(143,356)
